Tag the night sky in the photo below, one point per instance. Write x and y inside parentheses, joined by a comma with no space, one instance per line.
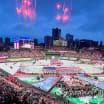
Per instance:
(87,20)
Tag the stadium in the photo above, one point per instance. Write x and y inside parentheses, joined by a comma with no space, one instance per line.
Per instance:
(54,76)
(51,52)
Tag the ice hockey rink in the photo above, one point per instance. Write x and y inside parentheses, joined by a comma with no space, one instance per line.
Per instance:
(37,66)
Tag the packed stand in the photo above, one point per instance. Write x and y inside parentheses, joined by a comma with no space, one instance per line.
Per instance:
(64,52)
(77,91)
(9,94)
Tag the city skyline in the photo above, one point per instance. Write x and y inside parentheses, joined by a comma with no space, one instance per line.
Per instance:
(58,36)
(86,21)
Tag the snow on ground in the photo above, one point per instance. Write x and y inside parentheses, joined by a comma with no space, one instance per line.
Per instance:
(10,67)
(88,68)
(32,69)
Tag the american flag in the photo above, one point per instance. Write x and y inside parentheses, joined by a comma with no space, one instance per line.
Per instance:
(62,70)
(16,44)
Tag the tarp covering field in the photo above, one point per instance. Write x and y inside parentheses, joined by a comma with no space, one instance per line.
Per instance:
(100,79)
(30,79)
(46,84)
(79,100)
(97,83)
(58,92)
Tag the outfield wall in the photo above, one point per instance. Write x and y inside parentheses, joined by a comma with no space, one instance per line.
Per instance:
(16,59)
(19,59)
(2,60)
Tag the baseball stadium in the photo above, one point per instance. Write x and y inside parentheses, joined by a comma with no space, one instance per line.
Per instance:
(51,52)
(57,77)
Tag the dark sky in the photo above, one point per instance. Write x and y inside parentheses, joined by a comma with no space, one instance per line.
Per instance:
(87,20)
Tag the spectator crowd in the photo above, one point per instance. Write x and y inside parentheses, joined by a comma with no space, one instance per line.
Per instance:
(64,52)
(10,94)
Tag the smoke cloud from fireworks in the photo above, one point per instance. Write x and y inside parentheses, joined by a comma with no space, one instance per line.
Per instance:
(65,9)
(26,9)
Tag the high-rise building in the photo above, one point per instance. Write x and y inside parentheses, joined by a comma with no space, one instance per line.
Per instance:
(1,40)
(77,43)
(101,43)
(62,43)
(95,43)
(48,40)
(88,43)
(69,39)
(35,42)
(7,41)
(56,34)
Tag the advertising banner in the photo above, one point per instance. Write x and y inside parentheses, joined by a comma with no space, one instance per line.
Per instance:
(98,61)
(2,60)
(73,58)
(85,60)
(3,57)
(19,59)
